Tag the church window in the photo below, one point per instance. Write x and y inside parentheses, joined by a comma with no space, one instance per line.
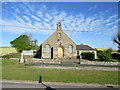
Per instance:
(77,52)
(70,49)
(47,48)
(59,35)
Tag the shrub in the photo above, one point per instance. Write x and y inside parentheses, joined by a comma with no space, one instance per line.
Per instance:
(11,55)
(116,56)
(6,56)
(87,55)
(104,56)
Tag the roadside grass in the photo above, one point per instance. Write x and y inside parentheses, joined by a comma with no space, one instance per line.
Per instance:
(13,70)
(7,50)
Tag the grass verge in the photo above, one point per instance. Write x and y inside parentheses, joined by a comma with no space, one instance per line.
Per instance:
(13,70)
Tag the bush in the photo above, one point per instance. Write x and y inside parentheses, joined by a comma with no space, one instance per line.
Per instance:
(6,56)
(11,55)
(87,55)
(116,56)
(104,56)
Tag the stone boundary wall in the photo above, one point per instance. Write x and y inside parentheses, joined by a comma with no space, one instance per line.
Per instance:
(100,63)
(69,61)
(52,61)
(56,61)
(37,61)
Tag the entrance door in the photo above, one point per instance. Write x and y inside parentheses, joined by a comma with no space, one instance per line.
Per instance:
(52,53)
(60,52)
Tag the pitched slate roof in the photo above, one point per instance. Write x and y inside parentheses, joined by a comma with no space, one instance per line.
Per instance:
(83,47)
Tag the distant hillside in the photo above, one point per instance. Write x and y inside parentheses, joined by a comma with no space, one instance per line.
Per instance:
(7,50)
(106,49)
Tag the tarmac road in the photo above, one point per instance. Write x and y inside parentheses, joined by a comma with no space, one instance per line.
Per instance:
(54,85)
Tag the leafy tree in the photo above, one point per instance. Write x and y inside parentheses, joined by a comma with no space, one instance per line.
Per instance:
(23,42)
(109,51)
(117,40)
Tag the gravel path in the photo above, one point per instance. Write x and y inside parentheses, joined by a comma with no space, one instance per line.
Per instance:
(77,68)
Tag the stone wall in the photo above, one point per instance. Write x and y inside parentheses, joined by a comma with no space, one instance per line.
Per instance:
(57,61)
(38,61)
(49,61)
(100,63)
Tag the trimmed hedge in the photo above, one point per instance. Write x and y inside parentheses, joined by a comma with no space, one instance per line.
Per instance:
(87,55)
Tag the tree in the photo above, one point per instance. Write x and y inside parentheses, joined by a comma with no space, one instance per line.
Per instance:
(109,51)
(117,40)
(23,42)
(105,55)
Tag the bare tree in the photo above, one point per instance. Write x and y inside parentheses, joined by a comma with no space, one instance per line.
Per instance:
(117,39)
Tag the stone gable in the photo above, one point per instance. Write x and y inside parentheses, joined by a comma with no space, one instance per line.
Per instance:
(59,44)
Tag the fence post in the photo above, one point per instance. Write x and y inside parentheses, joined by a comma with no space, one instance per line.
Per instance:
(40,79)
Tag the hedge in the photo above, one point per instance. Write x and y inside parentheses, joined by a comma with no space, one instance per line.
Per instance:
(87,55)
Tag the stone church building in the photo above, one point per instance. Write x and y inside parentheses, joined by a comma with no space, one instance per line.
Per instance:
(59,45)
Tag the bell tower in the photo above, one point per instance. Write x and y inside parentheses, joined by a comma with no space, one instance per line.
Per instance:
(59,26)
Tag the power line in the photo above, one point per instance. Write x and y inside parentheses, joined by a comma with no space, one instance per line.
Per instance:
(26,27)
(43,28)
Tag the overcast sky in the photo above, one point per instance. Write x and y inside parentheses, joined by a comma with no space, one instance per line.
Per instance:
(100,19)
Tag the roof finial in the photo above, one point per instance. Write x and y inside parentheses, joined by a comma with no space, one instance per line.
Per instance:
(59,21)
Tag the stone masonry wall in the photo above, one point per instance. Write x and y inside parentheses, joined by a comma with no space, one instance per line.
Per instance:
(38,61)
(55,42)
(99,63)
(57,61)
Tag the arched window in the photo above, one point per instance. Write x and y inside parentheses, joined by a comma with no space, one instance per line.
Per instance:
(47,48)
(59,35)
(70,49)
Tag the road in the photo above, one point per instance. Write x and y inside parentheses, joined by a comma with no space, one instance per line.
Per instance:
(23,84)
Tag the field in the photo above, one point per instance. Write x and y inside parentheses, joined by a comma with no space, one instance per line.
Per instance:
(7,50)
(13,70)
(106,49)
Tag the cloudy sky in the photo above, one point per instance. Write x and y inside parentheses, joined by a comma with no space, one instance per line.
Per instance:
(39,19)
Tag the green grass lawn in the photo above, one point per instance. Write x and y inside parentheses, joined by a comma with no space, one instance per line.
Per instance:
(13,70)
(7,50)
